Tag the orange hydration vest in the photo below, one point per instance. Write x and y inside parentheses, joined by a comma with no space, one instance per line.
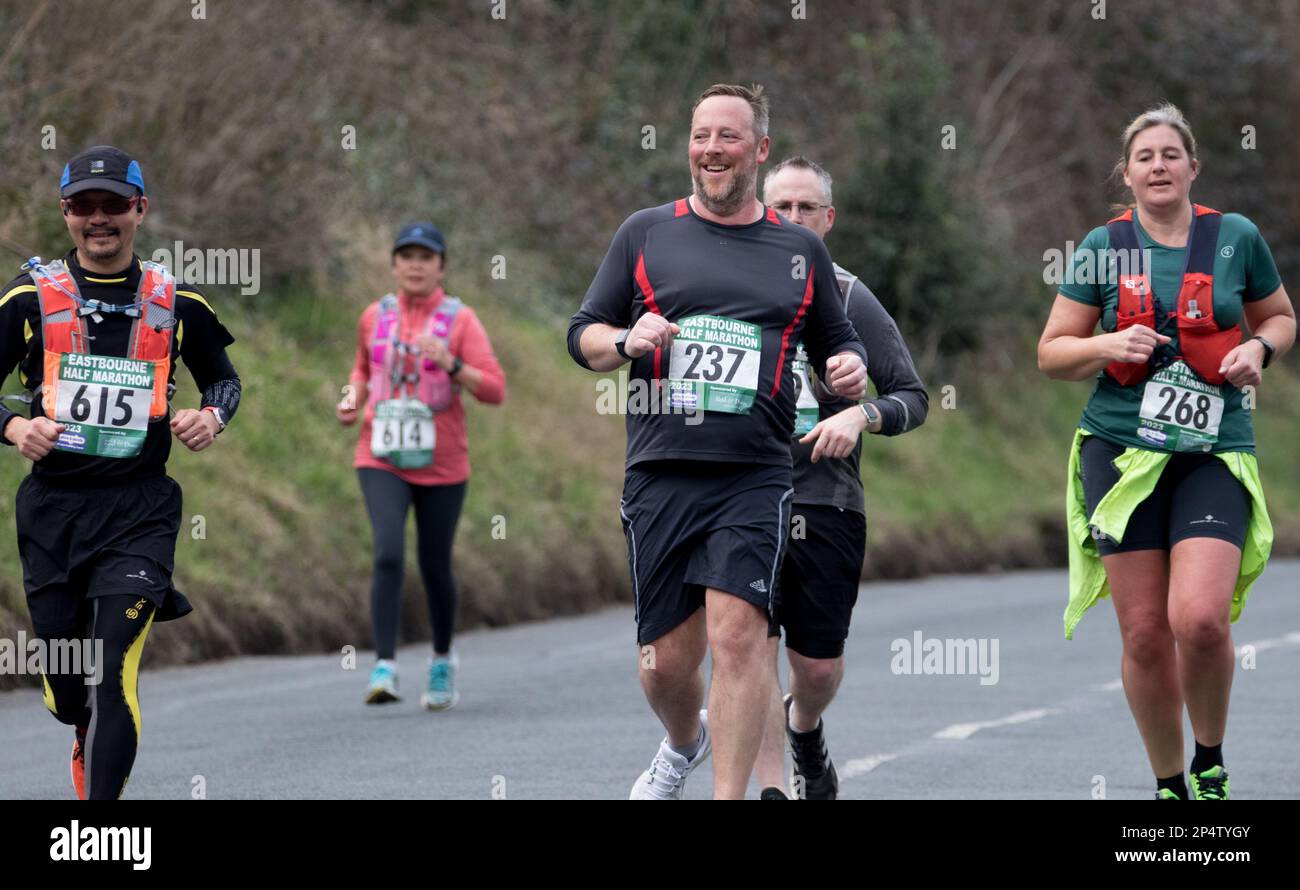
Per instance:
(1202,342)
(63,324)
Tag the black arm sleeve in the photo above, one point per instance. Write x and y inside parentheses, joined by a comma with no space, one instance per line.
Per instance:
(827,331)
(900,395)
(203,348)
(223,393)
(609,298)
(13,312)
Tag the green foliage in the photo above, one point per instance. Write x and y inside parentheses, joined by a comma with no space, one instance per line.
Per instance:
(907,222)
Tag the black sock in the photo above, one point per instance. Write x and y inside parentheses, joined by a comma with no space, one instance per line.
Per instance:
(1207,756)
(1177,784)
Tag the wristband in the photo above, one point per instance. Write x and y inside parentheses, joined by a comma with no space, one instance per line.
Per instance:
(455,367)
(1268,350)
(621,341)
(216,412)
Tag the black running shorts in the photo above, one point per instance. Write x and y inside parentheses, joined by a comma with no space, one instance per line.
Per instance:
(820,578)
(80,543)
(1197,497)
(691,525)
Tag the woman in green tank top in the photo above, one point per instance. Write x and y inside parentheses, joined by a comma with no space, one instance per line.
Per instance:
(1164,502)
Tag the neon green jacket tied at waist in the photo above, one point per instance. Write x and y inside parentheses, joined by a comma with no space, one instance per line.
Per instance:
(1140,470)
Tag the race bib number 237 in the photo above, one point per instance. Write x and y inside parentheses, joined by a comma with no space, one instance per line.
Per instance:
(714,364)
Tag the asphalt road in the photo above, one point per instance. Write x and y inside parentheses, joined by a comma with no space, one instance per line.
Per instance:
(554,710)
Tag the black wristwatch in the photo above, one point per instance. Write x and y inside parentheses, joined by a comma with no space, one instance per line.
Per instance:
(455,367)
(1268,349)
(620,341)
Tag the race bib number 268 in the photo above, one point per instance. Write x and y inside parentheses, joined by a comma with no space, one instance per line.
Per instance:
(1179,411)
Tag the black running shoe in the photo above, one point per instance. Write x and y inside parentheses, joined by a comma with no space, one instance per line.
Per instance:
(773,793)
(814,773)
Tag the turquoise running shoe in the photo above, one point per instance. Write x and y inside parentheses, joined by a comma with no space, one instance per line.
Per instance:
(383,683)
(441,692)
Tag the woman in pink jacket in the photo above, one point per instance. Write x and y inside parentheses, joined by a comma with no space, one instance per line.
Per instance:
(417,350)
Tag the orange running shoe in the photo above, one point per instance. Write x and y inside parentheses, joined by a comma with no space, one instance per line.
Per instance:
(79,764)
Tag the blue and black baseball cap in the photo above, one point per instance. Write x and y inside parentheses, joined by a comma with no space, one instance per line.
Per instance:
(422,234)
(102,167)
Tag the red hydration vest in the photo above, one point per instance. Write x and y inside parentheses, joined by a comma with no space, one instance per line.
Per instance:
(1202,342)
(63,325)
(435,387)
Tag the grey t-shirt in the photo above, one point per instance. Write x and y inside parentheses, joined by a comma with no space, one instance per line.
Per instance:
(900,398)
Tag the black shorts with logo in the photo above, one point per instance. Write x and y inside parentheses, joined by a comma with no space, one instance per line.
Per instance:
(820,578)
(691,525)
(79,543)
(1197,497)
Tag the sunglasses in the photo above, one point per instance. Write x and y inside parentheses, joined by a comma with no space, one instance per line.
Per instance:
(113,206)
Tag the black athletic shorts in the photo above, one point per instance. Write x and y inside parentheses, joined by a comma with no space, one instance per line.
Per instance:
(80,543)
(691,525)
(1197,497)
(820,578)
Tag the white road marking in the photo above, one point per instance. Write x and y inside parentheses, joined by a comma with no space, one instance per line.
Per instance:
(966,730)
(863,765)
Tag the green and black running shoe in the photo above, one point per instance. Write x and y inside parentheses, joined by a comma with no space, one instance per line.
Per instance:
(1166,794)
(1211,784)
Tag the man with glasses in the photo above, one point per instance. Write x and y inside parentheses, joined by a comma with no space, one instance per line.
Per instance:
(95,336)
(823,563)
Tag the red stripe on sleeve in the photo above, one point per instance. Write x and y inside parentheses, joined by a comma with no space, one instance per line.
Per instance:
(785,337)
(773,217)
(643,282)
(680,208)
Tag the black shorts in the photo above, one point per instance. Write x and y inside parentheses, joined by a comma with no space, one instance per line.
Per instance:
(820,578)
(1197,497)
(691,525)
(80,543)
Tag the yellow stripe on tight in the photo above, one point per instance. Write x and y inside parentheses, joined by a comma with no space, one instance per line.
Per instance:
(131,674)
(49,696)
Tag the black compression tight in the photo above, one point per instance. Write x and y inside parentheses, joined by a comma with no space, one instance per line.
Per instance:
(437,510)
(109,710)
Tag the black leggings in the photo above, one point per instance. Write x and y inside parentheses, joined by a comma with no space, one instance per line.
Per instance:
(437,510)
(109,711)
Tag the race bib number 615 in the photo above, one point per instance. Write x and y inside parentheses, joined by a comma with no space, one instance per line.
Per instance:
(103,403)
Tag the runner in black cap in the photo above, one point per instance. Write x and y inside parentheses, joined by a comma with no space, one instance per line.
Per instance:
(95,336)
(416,350)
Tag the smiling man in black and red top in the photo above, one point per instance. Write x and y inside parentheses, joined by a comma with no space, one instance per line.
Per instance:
(708,297)
(96,336)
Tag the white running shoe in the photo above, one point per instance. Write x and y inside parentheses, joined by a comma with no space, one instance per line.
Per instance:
(666,777)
